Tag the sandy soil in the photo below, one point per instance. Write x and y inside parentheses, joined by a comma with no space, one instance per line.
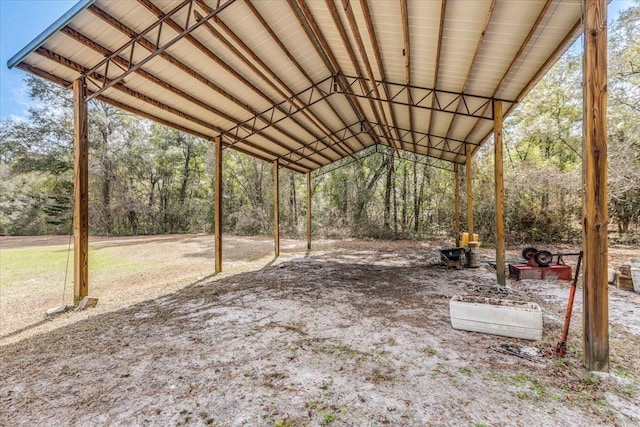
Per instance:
(353,333)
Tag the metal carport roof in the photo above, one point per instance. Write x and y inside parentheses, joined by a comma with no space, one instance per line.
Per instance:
(310,82)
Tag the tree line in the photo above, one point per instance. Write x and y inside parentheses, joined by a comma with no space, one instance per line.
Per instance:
(146,178)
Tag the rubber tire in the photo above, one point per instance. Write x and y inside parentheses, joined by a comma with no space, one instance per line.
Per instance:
(543,258)
(527,253)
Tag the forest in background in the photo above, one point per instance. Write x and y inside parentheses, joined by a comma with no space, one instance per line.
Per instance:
(146,178)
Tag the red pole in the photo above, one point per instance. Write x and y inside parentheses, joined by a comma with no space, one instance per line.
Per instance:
(561,348)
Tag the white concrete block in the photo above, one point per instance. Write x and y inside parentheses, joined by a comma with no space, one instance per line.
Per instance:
(518,319)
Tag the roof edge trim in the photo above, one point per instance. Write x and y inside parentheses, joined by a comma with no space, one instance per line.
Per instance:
(49,31)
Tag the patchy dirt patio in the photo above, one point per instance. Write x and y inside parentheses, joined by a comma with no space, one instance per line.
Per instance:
(353,333)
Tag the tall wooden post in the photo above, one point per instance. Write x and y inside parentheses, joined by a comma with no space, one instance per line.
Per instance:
(469,178)
(499,184)
(217,222)
(80,192)
(456,222)
(595,217)
(276,208)
(308,210)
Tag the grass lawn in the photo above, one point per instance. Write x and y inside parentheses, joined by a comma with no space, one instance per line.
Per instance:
(33,269)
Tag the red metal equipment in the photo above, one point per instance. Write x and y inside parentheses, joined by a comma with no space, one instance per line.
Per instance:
(561,348)
(539,265)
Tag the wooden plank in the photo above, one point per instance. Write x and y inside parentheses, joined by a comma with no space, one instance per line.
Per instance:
(471,65)
(516,59)
(250,58)
(469,179)
(80,192)
(355,32)
(366,14)
(456,223)
(218,204)
(180,65)
(306,20)
(443,10)
(276,207)
(308,210)
(595,217)
(499,185)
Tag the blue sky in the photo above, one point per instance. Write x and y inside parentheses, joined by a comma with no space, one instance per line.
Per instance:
(20,22)
(23,20)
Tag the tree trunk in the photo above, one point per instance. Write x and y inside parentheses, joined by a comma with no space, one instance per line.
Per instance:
(420,201)
(404,199)
(395,194)
(164,201)
(293,206)
(106,195)
(416,200)
(387,194)
(186,170)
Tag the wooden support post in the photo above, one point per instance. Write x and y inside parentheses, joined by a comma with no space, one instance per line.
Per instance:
(276,208)
(499,184)
(456,222)
(218,205)
(80,192)
(308,210)
(595,217)
(469,178)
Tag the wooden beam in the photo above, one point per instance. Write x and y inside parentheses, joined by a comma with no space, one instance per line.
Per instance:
(295,101)
(595,217)
(175,111)
(130,45)
(276,207)
(472,64)
(191,72)
(81,38)
(80,192)
(308,210)
(560,49)
(404,11)
(469,178)
(443,10)
(295,62)
(366,13)
(218,204)
(516,58)
(499,183)
(456,222)
(355,32)
(308,23)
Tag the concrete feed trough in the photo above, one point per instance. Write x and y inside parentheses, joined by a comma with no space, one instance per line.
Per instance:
(494,316)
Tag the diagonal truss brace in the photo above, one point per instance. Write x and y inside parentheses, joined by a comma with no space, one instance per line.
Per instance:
(115,73)
(282,110)
(479,107)
(314,147)
(431,162)
(423,140)
(427,140)
(432,99)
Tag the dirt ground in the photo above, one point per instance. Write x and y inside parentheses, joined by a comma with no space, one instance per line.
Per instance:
(353,333)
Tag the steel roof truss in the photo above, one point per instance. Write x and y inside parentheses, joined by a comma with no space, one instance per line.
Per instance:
(342,135)
(441,143)
(103,66)
(479,107)
(277,112)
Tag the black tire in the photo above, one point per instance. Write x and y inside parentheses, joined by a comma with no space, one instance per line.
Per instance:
(543,258)
(527,253)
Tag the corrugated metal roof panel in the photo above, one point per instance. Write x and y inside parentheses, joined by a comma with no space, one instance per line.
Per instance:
(207,85)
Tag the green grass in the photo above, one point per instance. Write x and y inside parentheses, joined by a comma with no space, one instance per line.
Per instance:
(534,390)
(47,265)
(327,419)
(348,350)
